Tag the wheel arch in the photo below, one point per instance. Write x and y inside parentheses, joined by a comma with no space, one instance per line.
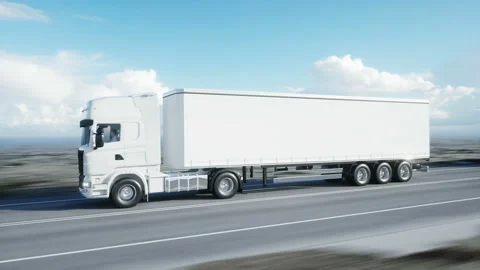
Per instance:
(395,163)
(214,173)
(350,167)
(140,178)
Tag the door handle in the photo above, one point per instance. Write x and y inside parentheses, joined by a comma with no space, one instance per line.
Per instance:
(118,157)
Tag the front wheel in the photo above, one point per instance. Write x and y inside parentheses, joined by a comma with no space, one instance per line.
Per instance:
(126,193)
(225,185)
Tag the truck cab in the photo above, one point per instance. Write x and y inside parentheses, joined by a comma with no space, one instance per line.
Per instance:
(120,156)
(120,142)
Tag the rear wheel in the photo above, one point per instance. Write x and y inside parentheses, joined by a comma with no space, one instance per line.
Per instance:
(383,173)
(225,185)
(360,176)
(126,193)
(403,172)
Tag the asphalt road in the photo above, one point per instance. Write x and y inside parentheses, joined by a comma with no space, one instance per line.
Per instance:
(169,232)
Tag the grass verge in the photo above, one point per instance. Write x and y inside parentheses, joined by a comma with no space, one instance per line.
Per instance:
(464,255)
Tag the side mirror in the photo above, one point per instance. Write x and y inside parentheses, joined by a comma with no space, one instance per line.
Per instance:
(99,138)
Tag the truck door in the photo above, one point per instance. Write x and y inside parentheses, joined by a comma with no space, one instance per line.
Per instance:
(114,146)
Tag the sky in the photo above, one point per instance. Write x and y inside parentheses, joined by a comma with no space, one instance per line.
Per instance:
(56,55)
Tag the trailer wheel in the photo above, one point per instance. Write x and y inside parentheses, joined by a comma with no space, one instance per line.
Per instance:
(361,175)
(126,193)
(225,185)
(383,173)
(403,172)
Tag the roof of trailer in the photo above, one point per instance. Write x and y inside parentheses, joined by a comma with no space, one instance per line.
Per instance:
(285,95)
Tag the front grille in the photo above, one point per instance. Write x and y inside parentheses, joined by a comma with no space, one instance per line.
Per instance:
(80,168)
(80,162)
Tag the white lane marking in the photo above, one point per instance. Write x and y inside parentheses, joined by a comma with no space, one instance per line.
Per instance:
(42,202)
(452,169)
(237,230)
(202,205)
(83,199)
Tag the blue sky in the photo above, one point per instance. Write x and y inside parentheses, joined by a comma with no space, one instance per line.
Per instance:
(252,45)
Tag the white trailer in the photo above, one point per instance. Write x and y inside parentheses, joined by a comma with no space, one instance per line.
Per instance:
(209,139)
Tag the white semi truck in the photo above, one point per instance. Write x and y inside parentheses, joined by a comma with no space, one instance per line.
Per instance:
(207,140)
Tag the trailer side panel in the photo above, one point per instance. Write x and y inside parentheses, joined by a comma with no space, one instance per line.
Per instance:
(225,130)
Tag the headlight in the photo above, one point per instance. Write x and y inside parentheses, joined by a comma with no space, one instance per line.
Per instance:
(87,184)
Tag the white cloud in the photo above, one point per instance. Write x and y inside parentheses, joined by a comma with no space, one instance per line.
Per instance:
(15,11)
(128,82)
(46,92)
(135,81)
(101,90)
(39,115)
(73,62)
(350,75)
(29,77)
(440,97)
(22,108)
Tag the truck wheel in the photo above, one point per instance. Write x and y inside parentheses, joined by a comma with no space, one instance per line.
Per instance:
(383,173)
(225,185)
(126,193)
(403,172)
(361,175)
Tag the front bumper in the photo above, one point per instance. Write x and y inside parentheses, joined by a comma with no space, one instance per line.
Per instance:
(90,190)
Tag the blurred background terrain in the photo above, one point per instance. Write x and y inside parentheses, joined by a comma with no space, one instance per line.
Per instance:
(47,166)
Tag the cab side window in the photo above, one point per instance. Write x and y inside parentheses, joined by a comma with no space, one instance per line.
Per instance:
(111,132)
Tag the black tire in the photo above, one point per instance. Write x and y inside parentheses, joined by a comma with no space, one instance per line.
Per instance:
(360,176)
(383,173)
(225,185)
(126,193)
(403,172)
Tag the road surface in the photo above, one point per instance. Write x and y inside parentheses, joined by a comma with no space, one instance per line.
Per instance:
(171,232)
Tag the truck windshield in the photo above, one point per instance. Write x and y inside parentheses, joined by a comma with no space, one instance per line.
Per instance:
(85,135)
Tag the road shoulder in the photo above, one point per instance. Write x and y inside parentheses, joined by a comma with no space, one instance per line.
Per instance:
(443,246)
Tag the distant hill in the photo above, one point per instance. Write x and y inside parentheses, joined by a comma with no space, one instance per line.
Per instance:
(40,142)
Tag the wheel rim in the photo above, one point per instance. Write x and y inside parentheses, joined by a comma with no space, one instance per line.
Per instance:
(362,175)
(384,174)
(225,186)
(404,172)
(127,193)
